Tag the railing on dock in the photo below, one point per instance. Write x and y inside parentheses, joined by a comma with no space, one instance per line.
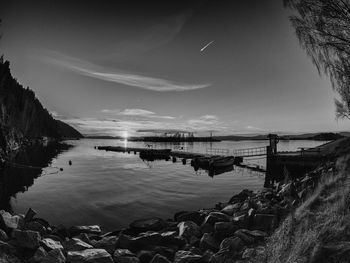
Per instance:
(249,152)
(216,151)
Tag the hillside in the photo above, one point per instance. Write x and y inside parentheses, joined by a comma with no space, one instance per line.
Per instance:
(22,116)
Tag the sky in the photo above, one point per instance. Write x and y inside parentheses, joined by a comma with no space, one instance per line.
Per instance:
(111,67)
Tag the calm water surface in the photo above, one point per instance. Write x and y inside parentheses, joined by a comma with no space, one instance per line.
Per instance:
(111,189)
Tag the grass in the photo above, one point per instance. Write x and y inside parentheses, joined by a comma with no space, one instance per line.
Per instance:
(319,229)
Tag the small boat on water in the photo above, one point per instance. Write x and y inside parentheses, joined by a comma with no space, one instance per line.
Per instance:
(222,162)
(213,162)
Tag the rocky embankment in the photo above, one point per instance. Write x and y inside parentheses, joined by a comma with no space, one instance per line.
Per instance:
(235,231)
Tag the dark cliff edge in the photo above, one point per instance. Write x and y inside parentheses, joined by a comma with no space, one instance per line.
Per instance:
(23,119)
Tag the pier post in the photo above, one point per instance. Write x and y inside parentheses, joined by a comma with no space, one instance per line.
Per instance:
(268,173)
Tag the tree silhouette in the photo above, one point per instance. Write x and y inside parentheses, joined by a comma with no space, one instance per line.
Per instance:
(323,29)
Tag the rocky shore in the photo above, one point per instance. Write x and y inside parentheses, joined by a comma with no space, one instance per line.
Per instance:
(235,231)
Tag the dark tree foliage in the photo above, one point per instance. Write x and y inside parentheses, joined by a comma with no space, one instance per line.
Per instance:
(323,29)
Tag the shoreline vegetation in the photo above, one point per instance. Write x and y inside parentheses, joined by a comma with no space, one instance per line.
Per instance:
(250,227)
(322,136)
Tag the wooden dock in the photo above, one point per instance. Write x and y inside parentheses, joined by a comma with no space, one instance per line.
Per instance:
(278,164)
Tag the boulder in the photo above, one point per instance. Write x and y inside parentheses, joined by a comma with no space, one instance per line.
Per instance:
(194,216)
(3,235)
(207,256)
(54,256)
(225,229)
(187,229)
(150,224)
(35,226)
(76,230)
(9,221)
(171,238)
(27,238)
(183,256)
(39,254)
(145,256)
(230,209)
(229,248)
(124,241)
(265,222)
(207,228)
(242,196)
(107,243)
(159,259)
(247,239)
(209,242)
(256,234)
(124,256)
(214,217)
(50,244)
(89,256)
(29,215)
(149,238)
(7,248)
(76,244)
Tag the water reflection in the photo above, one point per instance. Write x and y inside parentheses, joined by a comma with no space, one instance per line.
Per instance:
(19,174)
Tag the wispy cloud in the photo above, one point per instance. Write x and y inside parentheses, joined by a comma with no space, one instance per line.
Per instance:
(136,112)
(118,76)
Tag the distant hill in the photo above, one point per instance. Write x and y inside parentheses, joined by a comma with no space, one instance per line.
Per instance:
(22,116)
(321,136)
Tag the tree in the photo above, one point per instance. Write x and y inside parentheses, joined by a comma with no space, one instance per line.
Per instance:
(323,30)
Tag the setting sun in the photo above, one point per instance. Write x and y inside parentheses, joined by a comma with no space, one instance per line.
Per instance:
(125,134)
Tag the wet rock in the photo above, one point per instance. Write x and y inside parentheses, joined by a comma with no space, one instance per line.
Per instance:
(50,244)
(165,251)
(76,230)
(243,195)
(124,256)
(207,228)
(35,226)
(159,259)
(7,248)
(183,256)
(187,229)
(145,256)
(124,241)
(247,239)
(215,217)
(149,238)
(39,254)
(84,237)
(76,244)
(60,231)
(54,256)
(230,209)
(194,216)
(89,256)
(107,243)
(206,256)
(265,222)
(209,242)
(29,215)
(257,252)
(171,238)
(241,220)
(194,241)
(225,229)
(9,221)
(150,224)
(229,248)
(27,238)
(9,258)
(3,235)
(256,234)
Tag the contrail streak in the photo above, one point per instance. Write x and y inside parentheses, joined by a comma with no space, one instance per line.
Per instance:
(207,45)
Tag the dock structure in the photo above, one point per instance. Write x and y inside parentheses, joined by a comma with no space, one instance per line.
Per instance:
(278,164)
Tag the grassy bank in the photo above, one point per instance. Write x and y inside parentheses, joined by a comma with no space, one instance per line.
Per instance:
(319,229)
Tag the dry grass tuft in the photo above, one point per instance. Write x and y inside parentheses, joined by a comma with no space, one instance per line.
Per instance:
(319,230)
